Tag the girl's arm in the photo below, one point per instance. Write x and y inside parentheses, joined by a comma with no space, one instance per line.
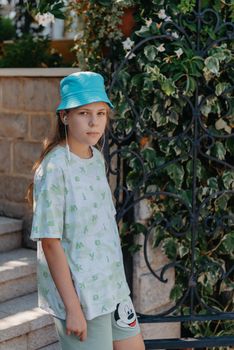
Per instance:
(60,272)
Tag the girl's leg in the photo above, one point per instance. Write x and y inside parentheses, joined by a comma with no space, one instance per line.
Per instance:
(133,343)
(125,327)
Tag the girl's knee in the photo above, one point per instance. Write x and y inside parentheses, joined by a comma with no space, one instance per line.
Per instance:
(133,343)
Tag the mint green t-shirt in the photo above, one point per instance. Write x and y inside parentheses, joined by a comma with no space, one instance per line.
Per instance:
(73,202)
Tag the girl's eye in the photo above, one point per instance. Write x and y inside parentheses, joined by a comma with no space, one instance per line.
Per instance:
(83,113)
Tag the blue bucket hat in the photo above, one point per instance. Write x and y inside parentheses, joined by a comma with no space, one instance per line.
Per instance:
(81,88)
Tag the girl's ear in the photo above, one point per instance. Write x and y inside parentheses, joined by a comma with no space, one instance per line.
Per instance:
(63,116)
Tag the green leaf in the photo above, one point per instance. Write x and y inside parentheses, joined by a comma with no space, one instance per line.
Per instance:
(227,244)
(158,116)
(230,145)
(186,196)
(150,52)
(137,79)
(176,173)
(183,250)
(176,292)
(190,85)
(139,228)
(219,150)
(168,86)
(221,202)
(220,88)
(143,32)
(58,6)
(132,180)
(213,183)
(58,14)
(169,248)
(228,179)
(212,63)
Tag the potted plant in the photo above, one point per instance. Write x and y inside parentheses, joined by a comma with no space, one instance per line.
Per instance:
(99,22)
(29,52)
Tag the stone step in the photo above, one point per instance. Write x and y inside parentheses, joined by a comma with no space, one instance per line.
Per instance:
(10,233)
(24,326)
(55,346)
(17,273)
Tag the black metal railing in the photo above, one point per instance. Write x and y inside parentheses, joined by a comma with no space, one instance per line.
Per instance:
(198,219)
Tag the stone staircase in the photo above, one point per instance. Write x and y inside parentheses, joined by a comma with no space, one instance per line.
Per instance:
(23,326)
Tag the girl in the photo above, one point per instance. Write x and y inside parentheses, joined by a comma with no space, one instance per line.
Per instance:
(81,279)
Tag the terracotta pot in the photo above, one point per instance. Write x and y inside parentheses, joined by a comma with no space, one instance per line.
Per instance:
(128,21)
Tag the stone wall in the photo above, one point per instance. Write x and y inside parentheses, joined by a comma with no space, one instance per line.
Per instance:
(28,99)
(150,295)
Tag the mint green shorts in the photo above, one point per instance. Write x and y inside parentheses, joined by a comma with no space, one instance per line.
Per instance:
(102,330)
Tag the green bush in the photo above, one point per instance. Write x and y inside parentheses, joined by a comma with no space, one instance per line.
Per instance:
(7,29)
(29,51)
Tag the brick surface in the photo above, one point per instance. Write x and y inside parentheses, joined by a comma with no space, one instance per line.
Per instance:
(10,241)
(41,337)
(13,126)
(5,156)
(150,293)
(41,127)
(8,225)
(41,94)
(160,330)
(24,318)
(13,188)
(19,343)
(55,346)
(18,287)
(25,154)
(12,93)
(12,209)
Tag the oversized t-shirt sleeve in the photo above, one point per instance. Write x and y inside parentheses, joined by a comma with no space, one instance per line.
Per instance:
(48,204)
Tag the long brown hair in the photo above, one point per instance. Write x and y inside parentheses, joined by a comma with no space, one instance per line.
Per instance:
(50,144)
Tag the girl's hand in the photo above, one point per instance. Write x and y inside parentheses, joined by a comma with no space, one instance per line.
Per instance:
(76,323)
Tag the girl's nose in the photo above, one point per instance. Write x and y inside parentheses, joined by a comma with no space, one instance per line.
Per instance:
(93,120)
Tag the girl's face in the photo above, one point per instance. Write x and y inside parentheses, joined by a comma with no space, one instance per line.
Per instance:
(87,124)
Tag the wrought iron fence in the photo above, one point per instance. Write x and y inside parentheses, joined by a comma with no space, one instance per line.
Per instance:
(198,220)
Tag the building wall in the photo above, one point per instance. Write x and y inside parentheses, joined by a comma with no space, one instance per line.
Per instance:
(28,99)
(26,117)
